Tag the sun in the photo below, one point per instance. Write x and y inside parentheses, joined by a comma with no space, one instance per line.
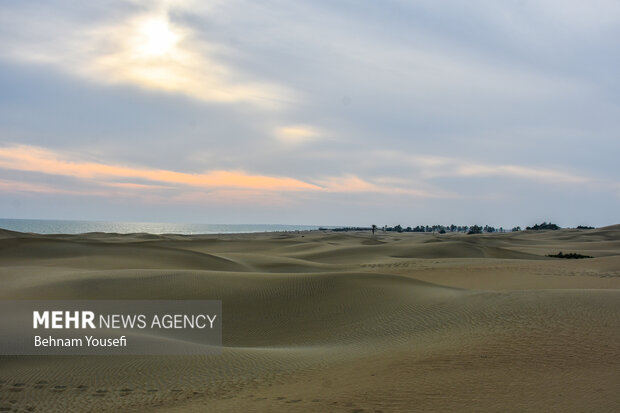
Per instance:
(155,38)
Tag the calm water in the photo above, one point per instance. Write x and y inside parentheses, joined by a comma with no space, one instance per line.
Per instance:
(44,226)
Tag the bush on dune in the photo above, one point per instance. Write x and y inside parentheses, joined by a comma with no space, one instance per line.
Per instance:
(571,255)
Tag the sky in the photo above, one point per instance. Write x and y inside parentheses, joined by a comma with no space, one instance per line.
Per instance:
(311,112)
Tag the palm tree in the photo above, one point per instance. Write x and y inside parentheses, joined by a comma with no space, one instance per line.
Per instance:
(374,228)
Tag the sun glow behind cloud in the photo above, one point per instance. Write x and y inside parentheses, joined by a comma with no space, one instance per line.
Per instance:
(153,52)
(155,37)
(145,49)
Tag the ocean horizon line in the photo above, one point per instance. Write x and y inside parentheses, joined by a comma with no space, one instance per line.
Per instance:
(64,226)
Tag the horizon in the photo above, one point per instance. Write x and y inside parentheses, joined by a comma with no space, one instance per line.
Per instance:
(405,226)
(343,114)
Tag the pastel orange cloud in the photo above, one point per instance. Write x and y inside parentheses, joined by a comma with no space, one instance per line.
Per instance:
(34,159)
(228,184)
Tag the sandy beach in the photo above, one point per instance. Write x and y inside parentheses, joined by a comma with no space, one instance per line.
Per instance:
(324,321)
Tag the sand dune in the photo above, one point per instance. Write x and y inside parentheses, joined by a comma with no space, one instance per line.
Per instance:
(343,322)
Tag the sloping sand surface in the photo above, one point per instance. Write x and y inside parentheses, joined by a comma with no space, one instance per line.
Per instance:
(343,322)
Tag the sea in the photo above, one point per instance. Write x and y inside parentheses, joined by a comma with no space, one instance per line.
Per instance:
(48,226)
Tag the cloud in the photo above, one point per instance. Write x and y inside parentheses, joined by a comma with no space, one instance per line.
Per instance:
(40,160)
(537,174)
(12,186)
(231,197)
(353,184)
(145,48)
(297,134)
(155,53)
(130,185)
(33,159)
(427,167)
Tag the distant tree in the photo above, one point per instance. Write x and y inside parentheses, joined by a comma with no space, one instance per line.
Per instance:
(398,228)
(442,231)
(374,228)
(542,226)
(515,229)
(584,227)
(475,229)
